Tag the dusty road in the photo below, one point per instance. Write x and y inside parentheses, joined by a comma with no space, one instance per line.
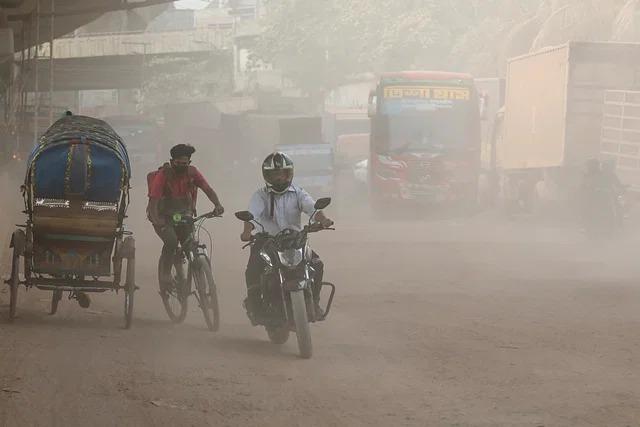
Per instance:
(453,322)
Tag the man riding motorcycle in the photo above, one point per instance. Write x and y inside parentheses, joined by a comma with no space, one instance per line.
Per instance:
(174,189)
(611,180)
(278,206)
(601,189)
(610,177)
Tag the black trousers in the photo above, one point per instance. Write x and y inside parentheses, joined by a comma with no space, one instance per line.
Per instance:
(256,266)
(170,236)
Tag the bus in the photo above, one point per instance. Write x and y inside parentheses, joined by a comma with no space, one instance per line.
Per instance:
(425,142)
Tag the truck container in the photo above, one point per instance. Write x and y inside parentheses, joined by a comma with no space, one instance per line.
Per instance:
(620,135)
(553,114)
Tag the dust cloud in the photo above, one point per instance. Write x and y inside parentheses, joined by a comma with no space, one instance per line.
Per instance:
(484,256)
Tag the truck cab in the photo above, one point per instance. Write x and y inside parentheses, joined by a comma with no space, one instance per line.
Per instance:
(301,137)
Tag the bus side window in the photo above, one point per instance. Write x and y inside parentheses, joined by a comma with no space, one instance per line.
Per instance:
(484,106)
(379,133)
(372,105)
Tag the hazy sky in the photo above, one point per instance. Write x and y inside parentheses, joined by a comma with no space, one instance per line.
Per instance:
(190,4)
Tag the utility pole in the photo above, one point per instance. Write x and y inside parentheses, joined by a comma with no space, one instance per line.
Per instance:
(51,36)
(142,69)
(36,102)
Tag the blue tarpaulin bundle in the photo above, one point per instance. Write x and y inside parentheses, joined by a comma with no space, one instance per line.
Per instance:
(79,157)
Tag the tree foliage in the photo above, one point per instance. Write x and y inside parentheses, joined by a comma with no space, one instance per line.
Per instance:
(318,44)
(172,80)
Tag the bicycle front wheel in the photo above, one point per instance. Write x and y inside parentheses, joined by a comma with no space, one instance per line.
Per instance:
(207,292)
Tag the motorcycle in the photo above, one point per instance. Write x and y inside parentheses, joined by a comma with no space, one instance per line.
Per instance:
(603,212)
(285,293)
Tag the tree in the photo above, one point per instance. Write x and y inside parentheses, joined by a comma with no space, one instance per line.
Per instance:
(172,80)
(317,44)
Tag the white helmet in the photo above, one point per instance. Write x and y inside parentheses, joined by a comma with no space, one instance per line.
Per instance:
(277,171)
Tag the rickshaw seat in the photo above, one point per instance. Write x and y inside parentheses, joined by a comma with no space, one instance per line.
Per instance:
(76,220)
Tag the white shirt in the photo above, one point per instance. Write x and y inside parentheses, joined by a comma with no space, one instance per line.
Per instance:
(287,209)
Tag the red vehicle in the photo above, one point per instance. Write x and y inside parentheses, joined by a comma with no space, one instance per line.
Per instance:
(425,138)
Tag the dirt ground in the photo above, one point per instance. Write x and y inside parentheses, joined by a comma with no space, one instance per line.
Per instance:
(467,321)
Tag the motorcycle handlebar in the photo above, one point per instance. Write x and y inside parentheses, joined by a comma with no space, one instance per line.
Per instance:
(313,228)
(254,238)
(316,227)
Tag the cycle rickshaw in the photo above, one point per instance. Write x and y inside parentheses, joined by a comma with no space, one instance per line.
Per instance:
(76,194)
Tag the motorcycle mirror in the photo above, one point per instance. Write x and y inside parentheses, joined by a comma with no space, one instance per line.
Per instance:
(322,203)
(245,216)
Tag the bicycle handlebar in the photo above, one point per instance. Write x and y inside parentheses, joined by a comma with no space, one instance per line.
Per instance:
(208,215)
(187,219)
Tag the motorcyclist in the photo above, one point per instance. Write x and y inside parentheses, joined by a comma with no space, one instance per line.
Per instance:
(591,181)
(277,206)
(592,176)
(174,189)
(611,181)
(610,178)
(600,190)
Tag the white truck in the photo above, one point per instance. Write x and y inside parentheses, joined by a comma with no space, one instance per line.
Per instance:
(620,135)
(553,115)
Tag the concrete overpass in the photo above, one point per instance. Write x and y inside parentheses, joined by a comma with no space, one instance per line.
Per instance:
(117,60)
(34,22)
(150,43)
(25,24)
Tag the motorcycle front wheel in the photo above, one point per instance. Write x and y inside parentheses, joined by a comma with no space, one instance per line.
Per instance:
(303,331)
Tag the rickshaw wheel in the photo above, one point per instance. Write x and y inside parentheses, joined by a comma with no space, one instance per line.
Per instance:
(130,289)
(130,285)
(14,281)
(55,299)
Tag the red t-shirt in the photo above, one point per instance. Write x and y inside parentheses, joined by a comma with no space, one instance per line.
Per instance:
(178,187)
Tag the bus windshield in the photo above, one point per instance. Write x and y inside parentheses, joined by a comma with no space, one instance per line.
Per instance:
(426,118)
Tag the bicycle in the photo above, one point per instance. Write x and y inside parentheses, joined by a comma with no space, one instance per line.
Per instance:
(192,255)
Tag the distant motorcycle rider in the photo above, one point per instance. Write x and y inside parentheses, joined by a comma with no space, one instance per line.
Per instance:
(592,175)
(277,206)
(600,191)
(174,189)
(611,180)
(601,176)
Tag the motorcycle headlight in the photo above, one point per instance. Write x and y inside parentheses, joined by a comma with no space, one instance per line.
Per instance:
(290,257)
(266,258)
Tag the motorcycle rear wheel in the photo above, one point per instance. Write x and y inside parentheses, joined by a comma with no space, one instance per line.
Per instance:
(278,335)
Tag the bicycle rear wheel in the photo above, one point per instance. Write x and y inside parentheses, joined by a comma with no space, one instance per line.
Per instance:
(207,292)
(174,295)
